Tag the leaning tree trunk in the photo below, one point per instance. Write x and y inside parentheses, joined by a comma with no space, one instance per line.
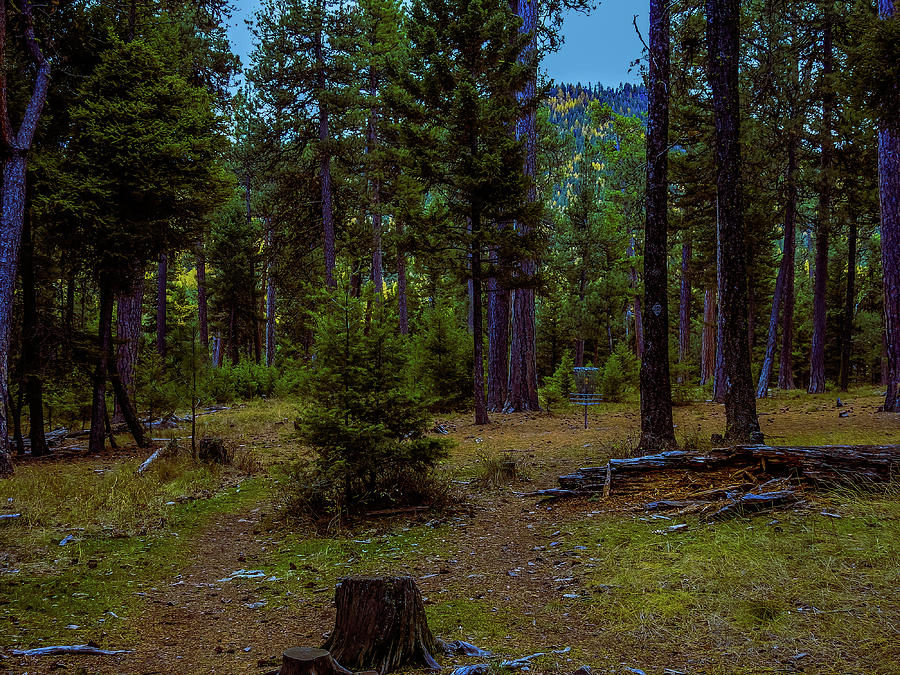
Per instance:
(381,624)
(823,224)
(14,148)
(657,431)
(723,18)
(765,373)
(889,194)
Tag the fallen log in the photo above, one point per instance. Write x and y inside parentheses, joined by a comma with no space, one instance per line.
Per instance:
(822,464)
(68,649)
(756,502)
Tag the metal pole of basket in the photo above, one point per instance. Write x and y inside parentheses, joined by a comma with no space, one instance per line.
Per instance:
(585,394)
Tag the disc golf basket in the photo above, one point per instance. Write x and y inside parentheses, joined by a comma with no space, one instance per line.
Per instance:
(585,394)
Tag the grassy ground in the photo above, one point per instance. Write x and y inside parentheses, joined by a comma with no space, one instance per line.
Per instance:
(146,564)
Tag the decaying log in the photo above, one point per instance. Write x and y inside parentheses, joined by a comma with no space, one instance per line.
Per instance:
(310,661)
(463,648)
(753,502)
(381,624)
(826,464)
(68,649)
(147,462)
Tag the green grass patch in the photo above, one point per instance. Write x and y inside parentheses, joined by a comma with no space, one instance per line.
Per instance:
(803,581)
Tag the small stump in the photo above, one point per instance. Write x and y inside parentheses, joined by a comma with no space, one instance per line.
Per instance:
(310,661)
(381,624)
(212,449)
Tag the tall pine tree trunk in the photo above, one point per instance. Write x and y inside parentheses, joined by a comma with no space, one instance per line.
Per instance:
(128,332)
(481,416)
(161,281)
(371,144)
(720,378)
(849,304)
(202,304)
(708,337)
(498,343)
(723,17)
(101,368)
(324,155)
(270,297)
(786,360)
(657,431)
(684,308)
(522,393)
(823,220)
(402,301)
(889,196)
(31,345)
(579,341)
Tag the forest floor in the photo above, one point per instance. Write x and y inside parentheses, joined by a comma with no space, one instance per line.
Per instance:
(151,562)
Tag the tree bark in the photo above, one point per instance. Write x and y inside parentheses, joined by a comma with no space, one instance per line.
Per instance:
(522,393)
(684,308)
(270,298)
(849,304)
(402,303)
(720,380)
(723,18)
(498,343)
(708,337)
(889,197)
(823,221)
(324,155)
(381,624)
(161,282)
(128,332)
(202,304)
(786,360)
(31,345)
(104,348)
(14,148)
(481,416)
(657,430)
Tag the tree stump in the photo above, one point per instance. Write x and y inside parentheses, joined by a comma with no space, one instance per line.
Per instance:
(381,624)
(212,450)
(310,661)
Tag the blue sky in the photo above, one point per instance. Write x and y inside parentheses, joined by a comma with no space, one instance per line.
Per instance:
(598,47)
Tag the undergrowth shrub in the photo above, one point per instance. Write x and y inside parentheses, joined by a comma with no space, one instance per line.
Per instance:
(558,386)
(619,374)
(363,419)
(441,359)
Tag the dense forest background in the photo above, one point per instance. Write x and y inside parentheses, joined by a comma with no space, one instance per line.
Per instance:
(184,242)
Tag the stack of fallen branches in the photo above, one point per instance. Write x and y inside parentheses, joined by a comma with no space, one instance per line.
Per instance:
(823,464)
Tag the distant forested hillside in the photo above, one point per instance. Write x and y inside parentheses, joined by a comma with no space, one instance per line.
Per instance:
(569,104)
